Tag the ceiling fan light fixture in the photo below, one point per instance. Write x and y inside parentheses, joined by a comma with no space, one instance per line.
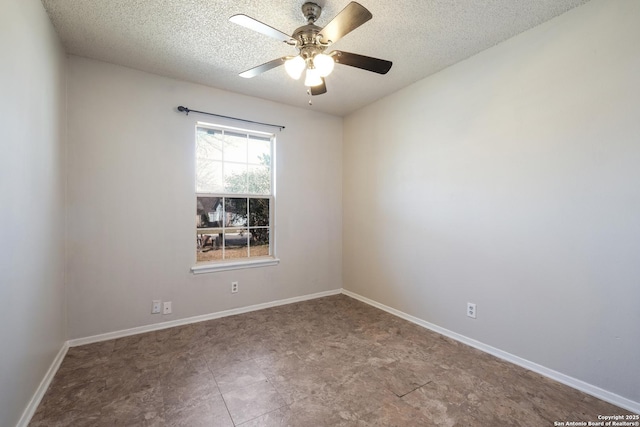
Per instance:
(324,64)
(312,78)
(295,66)
(311,41)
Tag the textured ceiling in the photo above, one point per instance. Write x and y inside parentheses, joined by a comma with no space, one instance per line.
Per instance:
(194,40)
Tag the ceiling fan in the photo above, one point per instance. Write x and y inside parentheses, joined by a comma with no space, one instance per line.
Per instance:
(312,41)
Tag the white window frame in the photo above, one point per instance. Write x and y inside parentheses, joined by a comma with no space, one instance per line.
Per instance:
(240,263)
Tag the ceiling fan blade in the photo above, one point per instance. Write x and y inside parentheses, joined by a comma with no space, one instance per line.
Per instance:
(252,72)
(255,25)
(350,18)
(320,89)
(368,63)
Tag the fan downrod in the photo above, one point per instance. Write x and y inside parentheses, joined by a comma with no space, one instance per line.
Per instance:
(311,12)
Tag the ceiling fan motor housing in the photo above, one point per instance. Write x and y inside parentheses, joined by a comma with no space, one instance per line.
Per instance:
(308,41)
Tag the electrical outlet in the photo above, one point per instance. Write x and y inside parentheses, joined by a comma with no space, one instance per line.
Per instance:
(471,310)
(155,308)
(167,308)
(234,287)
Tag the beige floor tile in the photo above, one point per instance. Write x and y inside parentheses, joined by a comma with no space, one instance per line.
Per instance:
(144,407)
(320,411)
(238,375)
(331,361)
(205,413)
(252,401)
(278,418)
(188,390)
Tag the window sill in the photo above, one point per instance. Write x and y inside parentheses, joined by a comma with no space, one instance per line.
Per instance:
(236,265)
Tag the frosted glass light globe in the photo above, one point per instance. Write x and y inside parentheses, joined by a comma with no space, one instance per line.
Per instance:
(295,66)
(324,64)
(312,78)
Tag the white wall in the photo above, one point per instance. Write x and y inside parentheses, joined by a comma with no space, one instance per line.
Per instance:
(32,196)
(512,180)
(132,202)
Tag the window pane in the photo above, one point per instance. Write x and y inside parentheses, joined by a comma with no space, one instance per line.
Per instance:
(235,212)
(259,180)
(209,176)
(209,247)
(259,243)
(208,144)
(235,178)
(235,147)
(236,244)
(209,212)
(258,212)
(239,165)
(260,151)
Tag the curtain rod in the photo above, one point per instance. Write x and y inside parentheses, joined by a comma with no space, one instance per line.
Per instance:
(187,111)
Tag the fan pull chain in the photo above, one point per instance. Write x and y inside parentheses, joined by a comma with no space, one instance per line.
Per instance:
(309,93)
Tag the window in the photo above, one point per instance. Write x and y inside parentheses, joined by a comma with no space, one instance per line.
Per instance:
(234,198)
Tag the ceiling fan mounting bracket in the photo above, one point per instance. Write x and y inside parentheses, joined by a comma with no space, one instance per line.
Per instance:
(311,12)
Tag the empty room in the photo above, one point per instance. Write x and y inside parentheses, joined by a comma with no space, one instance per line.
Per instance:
(320,213)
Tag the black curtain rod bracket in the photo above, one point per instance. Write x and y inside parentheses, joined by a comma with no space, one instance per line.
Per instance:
(187,111)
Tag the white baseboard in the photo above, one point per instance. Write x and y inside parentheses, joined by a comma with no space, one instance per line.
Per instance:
(42,388)
(602,394)
(195,319)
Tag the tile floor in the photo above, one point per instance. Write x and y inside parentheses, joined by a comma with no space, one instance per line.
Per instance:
(332,361)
